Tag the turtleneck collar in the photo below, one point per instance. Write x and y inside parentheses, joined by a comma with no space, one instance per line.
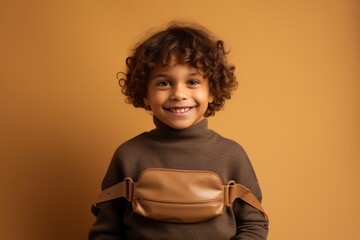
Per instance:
(197,131)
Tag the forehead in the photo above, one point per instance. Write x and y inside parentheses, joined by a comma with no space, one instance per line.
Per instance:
(175,69)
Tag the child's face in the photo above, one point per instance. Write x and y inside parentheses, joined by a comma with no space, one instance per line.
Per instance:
(178,95)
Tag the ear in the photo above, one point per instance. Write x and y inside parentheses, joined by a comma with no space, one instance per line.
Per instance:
(147,103)
(211,98)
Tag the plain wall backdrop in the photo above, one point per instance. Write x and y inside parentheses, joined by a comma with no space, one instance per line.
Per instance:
(296,111)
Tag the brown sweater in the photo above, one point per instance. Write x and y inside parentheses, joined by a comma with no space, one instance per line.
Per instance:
(194,148)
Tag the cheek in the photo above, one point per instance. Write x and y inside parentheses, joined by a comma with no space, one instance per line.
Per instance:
(156,99)
(203,97)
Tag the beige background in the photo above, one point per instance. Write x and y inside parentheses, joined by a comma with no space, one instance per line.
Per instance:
(296,112)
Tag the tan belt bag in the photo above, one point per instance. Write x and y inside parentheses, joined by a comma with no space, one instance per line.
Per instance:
(180,196)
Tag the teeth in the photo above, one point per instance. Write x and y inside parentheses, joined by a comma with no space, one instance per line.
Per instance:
(179,110)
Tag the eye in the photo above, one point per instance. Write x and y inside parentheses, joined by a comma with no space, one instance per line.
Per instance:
(193,82)
(163,83)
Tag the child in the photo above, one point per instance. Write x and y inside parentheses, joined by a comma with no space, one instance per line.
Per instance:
(181,75)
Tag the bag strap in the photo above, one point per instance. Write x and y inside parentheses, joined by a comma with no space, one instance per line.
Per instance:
(232,191)
(120,190)
(240,191)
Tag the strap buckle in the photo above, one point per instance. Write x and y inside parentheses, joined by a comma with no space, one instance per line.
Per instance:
(128,188)
(227,192)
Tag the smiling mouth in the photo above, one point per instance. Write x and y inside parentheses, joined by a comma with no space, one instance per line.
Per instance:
(179,109)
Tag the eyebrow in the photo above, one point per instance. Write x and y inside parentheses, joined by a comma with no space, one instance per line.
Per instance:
(167,75)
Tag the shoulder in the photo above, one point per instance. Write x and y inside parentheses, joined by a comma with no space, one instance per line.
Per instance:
(123,158)
(227,143)
(235,156)
(133,145)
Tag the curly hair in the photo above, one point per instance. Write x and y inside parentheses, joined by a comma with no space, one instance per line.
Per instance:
(190,44)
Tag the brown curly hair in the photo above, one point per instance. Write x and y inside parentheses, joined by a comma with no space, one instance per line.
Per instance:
(187,43)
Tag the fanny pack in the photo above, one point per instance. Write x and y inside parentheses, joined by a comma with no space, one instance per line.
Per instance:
(179,196)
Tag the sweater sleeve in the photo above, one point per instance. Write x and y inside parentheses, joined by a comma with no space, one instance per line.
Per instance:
(250,222)
(108,224)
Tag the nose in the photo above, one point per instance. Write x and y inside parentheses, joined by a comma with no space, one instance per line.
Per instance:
(179,93)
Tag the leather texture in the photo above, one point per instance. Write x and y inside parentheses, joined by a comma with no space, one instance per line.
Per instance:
(178,195)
